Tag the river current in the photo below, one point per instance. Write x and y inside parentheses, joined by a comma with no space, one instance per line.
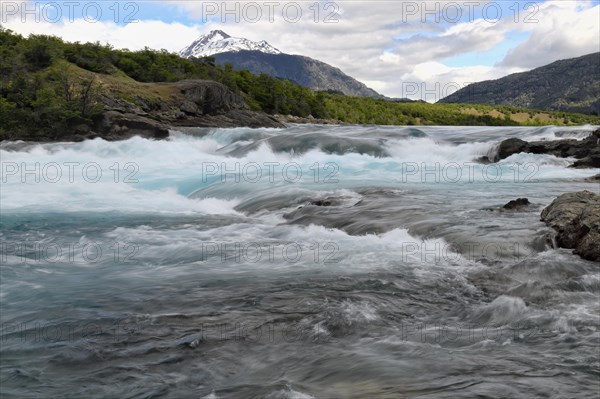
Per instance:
(307,262)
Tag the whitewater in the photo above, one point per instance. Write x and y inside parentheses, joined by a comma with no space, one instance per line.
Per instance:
(308,262)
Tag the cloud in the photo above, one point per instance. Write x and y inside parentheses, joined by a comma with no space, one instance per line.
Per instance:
(431,81)
(134,36)
(564,29)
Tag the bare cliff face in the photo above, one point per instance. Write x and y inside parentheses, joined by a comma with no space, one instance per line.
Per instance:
(199,103)
(571,85)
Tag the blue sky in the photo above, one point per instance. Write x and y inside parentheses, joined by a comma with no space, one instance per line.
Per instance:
(491,57)
(382,43)
(174,11)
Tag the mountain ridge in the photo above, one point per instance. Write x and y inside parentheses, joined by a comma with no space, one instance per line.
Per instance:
(261,57)
(569,85)
(217,41)
(305,71)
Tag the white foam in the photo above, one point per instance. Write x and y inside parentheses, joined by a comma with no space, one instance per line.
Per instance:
(289,394)
(503,310)
(426,149)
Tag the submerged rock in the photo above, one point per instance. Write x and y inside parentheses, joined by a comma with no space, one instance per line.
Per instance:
(516,204)
(593,179)
(321,203)
(372,214)
(587,151)
(576,219)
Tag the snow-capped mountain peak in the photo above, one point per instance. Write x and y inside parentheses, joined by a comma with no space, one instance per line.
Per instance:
(217,41)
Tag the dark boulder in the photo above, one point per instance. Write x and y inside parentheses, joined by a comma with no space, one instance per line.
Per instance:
(321,203)
(593,179)
(576,219)
(115,125)
(587,151)
(516,204)
(509,147)
(206,97)
(204,103)
(233,118)
(199,103)
(591,161)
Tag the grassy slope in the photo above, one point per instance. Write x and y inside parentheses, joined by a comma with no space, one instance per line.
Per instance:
(119,85)
(373,111)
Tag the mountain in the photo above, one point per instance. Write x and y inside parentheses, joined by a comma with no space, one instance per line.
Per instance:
(261,57)
(218,41)
(571,85)
(305,71)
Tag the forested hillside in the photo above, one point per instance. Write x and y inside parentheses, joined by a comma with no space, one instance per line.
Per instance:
(48,85)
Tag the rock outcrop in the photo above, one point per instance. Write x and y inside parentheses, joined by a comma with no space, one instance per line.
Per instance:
(587,151)
(199,103)
(116,125)
(509,147)
(519,203)
(593,179)
(576,219)
(307,120)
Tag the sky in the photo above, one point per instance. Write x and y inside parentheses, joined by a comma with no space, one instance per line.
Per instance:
(416,49)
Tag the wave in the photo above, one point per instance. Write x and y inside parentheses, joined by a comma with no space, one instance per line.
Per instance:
(232,165)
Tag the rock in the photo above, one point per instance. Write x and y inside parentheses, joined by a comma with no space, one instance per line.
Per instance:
(377,212)
(576,219)
(199,103)
(299,119)
(115,125)
(587,151)
(233,118)
(593,179)
(509,147)
(157,107)
(210,97)
(516,204)
(189,107)
(591,161)
(204,103)
(560,148)
(483,160)
(82,128)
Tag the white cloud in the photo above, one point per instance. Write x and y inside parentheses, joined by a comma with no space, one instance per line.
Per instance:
(134,36)
(564,29)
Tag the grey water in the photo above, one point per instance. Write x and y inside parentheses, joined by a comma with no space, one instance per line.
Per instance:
(308,262)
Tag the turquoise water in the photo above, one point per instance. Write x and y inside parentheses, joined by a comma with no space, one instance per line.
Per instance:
(313,261)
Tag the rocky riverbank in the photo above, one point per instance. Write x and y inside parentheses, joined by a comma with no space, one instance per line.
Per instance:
(587,151)
(576,219)
(307,120)
(199,103)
